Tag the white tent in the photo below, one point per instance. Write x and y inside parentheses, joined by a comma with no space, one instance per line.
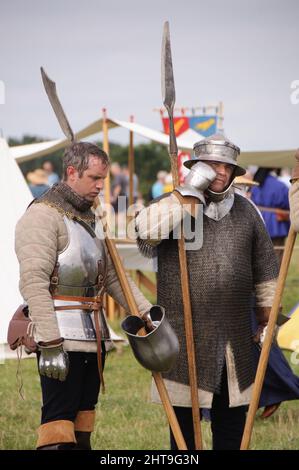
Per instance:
(271,158)
(15,197)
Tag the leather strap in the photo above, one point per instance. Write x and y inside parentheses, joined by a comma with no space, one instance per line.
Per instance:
(88,306)
(54,279)
(99,347)
(75,298)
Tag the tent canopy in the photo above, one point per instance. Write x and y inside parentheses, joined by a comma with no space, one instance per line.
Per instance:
(15,197)
(272,159)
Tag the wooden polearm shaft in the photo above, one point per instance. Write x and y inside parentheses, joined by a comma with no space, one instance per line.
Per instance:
(274,210)
(263,361)
(188,323)
(171,416)
(168,94)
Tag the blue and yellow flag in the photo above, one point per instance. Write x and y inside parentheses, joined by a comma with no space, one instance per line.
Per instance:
(204,125)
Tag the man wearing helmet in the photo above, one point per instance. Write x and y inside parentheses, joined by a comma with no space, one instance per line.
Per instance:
(234,258)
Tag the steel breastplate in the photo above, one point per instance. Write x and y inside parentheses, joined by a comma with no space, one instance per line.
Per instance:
(81,271)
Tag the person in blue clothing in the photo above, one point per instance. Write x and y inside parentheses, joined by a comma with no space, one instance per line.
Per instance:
(38,182)
(53,178)
(272,194)
(158,187)
(280,383)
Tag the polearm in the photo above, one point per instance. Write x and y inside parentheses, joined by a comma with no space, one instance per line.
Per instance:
(50,88)
(264,357)
(168,408)
(168,94)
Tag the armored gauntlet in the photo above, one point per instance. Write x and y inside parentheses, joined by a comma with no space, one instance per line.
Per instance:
(197,181)
(262,314)
(54,362)
(260,334)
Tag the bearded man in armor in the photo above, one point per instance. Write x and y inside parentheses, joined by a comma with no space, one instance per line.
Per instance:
(64,271)
(235,261)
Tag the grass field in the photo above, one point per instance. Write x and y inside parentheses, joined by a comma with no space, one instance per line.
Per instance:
(126,419)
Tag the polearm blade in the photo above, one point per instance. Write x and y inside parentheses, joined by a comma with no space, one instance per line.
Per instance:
(50,88)
(168,94)
(167,79)
(168,91)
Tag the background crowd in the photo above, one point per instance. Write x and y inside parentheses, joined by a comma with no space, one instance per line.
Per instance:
(266,187)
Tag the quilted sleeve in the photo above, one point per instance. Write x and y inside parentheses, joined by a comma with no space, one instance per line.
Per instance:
(39,235)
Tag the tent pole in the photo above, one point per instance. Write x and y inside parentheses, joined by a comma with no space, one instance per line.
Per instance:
(220,118)
(110,305)
(106,149)
(131,166)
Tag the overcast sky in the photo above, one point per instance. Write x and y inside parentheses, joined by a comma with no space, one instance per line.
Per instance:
(107,54)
